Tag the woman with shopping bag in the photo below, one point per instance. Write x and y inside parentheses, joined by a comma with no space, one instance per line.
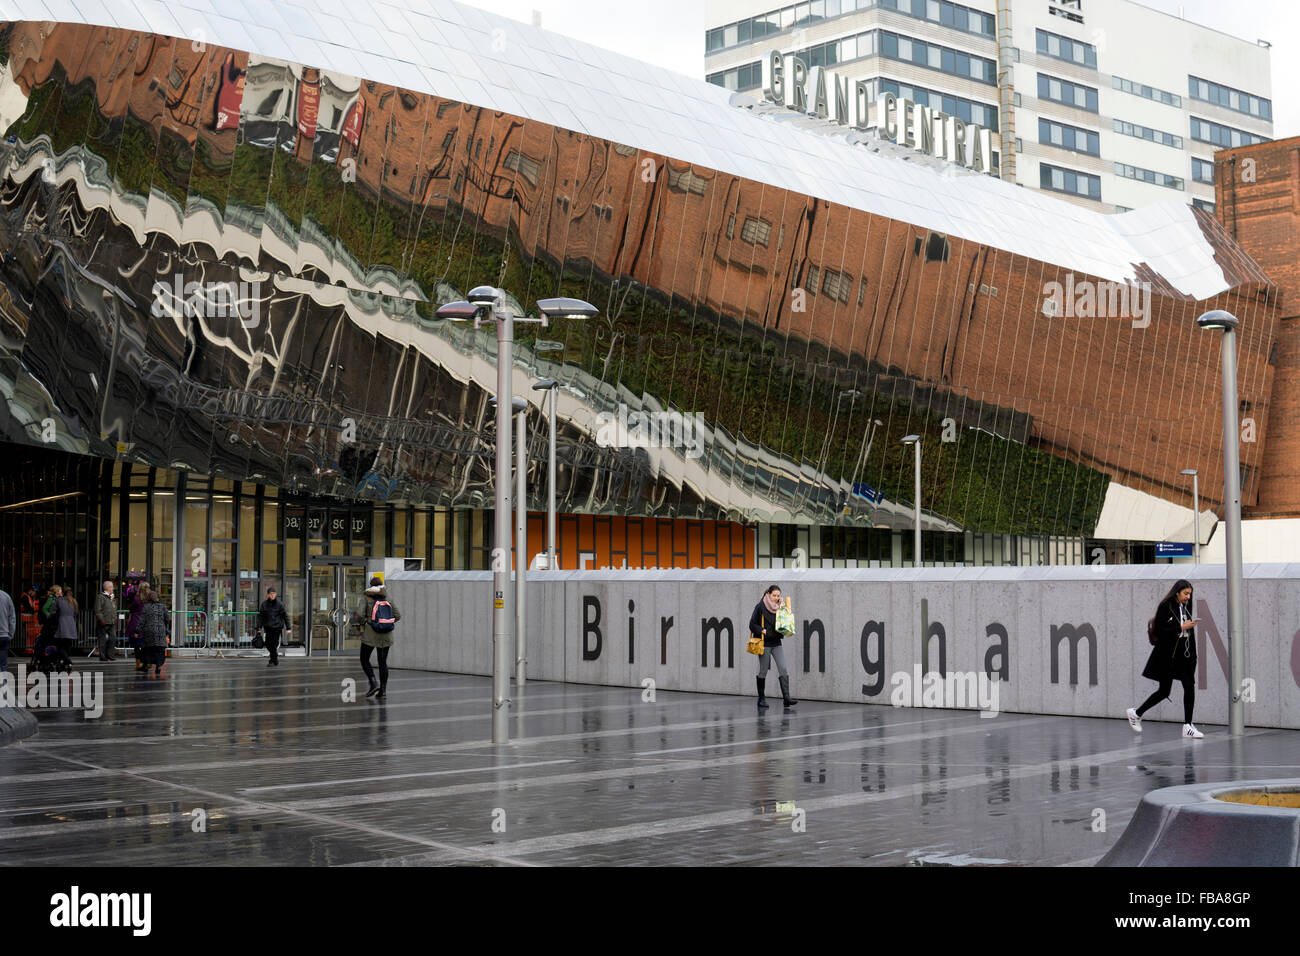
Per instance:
(770,622)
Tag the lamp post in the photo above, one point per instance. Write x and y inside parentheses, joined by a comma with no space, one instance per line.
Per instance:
(520,408)
(486,303)
(915,442)
(550,385)
(868,436)
(1196,514)
(1227,323)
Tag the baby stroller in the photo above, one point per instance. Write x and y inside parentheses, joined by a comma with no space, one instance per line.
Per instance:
(48,655)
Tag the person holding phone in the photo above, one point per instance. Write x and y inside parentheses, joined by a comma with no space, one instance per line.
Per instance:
(1173,657)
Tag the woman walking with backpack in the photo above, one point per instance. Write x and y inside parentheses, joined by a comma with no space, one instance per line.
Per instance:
(377,634)
(1173,657)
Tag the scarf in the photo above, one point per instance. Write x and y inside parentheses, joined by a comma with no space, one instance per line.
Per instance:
(772,604)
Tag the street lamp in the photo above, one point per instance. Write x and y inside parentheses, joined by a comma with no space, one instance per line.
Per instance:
(486,303)
(868,436)
(915,442)
(1227,323)
(520,408)
(1196,514)
(550,385)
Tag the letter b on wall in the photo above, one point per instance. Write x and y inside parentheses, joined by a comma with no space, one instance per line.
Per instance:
(590,628)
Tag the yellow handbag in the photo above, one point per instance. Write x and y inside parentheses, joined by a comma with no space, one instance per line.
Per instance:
(755,644)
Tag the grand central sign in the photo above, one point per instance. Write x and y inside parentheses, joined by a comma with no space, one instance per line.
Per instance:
(816,91)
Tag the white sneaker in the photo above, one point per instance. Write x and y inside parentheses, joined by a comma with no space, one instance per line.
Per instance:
(1189,730)
(1134,720)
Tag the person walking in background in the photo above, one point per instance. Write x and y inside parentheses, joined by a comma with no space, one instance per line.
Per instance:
(1173,657)
(106,623)
(273,619)
(153,635)
(65,623)
(30,626)
(48,613)
(8,627)
(377,628)
(762,623)
(135,604)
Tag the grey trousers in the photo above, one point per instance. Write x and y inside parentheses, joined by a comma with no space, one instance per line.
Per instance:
(773,653)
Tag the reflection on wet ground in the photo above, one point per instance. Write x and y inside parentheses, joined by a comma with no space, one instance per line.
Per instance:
(228,762)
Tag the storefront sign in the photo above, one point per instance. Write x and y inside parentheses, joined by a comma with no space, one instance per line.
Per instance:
(315,521)
(816,91)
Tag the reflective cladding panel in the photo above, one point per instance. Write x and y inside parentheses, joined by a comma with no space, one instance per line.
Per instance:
(293,129)
(221,89)
(807,336)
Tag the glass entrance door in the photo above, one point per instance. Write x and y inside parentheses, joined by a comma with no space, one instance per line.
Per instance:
(336,602)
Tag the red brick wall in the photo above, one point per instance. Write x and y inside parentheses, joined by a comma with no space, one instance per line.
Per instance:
(1257,193)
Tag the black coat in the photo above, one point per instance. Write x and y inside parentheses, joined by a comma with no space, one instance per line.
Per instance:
(763,619)
(1174,656)
(272,614)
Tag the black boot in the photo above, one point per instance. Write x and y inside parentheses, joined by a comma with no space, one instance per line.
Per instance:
(785,691)
(762,692)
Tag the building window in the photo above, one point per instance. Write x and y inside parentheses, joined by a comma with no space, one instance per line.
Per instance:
(756,231)
(1069,137)
(1204,204)
(1202,171)
(1067,93)
(1063,48)
(1147,92)
(1067,9)
(1148,176)
(837,285)
(1203,131)
(1069,181)
(952,15)
(530,169)
(933,57)
(1145,132)
(1229,98)
(747,77)
(685,181)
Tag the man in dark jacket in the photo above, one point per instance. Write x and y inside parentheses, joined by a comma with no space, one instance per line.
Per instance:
(106,623)
(273,619)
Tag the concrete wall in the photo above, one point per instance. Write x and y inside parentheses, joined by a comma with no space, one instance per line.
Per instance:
(620,627)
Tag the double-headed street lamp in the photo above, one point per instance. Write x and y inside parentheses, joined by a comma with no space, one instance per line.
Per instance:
(487,303)
(1227,323)
(915,442)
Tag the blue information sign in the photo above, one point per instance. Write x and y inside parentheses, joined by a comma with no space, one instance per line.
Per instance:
(1173,549)
(863,490)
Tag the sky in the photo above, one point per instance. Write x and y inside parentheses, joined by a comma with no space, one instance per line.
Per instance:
(670,33)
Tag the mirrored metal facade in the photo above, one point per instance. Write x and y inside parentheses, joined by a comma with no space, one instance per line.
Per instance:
(224,242)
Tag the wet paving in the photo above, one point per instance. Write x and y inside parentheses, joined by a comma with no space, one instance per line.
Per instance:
(229,762)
